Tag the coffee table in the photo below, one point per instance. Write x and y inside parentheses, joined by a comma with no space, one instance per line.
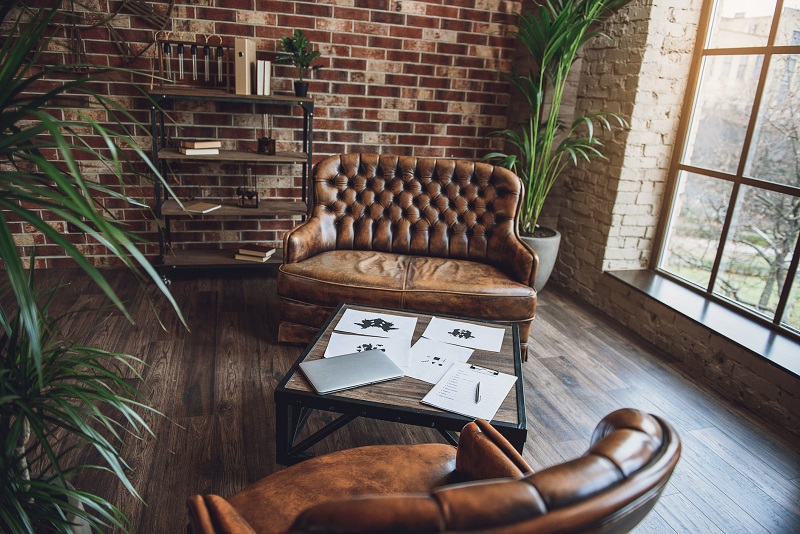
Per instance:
(396,400)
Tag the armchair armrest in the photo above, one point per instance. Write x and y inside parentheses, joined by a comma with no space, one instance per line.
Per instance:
(372,513)
(211,514)
(483,454)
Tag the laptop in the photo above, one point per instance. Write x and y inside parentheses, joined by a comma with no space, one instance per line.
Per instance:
(337,373)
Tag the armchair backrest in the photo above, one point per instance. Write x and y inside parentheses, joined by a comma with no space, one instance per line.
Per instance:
(608,489)
(422,206)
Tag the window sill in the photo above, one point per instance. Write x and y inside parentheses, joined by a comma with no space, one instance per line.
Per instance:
(779,349)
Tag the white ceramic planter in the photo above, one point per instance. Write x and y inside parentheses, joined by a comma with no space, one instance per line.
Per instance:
(547,250)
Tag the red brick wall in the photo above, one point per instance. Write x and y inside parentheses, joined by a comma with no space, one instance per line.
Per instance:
(406,77)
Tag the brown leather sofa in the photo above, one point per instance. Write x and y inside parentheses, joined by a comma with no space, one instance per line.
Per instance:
(422,234)
(483,486)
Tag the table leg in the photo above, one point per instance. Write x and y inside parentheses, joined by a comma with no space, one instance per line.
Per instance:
(286,417)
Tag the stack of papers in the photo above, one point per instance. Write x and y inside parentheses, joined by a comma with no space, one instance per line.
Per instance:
(439,357)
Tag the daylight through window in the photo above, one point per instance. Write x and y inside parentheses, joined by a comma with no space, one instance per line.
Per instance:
(734,218)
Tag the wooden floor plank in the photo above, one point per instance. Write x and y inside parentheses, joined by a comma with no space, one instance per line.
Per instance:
(196,379)
(681,515)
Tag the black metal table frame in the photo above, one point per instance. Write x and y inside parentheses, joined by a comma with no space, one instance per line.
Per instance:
(294,407)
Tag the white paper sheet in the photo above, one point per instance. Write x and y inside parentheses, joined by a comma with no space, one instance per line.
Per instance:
(398,349)
(456,391)
(465,334)
(376,324)
(431,359)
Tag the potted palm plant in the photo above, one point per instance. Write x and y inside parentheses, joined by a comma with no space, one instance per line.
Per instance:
(552,33)
(297,51)
(58,399)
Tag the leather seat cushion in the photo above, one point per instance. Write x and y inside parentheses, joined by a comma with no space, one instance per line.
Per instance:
(424,284)
(341,475)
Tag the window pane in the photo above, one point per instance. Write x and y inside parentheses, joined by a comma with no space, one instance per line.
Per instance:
(759,248)
(789,25)
(741,23)
(695,227)
(720,116)
(775,148)
(791,315)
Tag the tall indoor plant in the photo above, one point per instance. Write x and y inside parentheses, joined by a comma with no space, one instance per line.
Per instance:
(297,51)
(58,398)
(552,33)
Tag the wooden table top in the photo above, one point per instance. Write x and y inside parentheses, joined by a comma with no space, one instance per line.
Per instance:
(405,394)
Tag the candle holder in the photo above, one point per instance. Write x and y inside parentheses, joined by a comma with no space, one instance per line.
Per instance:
(248,193)
(266,144)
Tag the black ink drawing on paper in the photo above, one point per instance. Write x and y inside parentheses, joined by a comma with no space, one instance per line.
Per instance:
(369,346)
(436,360)
(463,334)
(376,323)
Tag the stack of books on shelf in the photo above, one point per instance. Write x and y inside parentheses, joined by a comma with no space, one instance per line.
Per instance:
(200,147)
(263,77)
(255,253)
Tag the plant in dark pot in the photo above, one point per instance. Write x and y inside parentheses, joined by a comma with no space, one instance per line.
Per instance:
(552,32)
(297,51)
(65,409)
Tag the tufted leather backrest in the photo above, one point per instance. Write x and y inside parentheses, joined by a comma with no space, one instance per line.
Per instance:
(608,489)
(422,206)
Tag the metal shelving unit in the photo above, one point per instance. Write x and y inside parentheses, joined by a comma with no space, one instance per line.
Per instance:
(167,209)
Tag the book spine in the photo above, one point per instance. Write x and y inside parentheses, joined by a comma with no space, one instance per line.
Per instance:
(260,77)
(250,258)
(245,54)
(267,78)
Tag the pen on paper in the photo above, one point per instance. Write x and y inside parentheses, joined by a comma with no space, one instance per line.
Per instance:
(478,393)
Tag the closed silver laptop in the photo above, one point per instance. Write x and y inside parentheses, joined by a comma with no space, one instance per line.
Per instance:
(329,375)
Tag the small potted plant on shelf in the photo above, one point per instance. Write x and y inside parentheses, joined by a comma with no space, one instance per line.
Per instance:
(552,33)
(297,51)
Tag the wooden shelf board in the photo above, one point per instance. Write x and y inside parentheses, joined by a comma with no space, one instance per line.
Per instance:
(235,156)
(265,207)
(221,95)
(213,258)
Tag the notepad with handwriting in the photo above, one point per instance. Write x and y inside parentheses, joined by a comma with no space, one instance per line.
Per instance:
(470,390)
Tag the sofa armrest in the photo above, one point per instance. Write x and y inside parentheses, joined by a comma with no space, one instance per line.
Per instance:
(314,236)
(519,260)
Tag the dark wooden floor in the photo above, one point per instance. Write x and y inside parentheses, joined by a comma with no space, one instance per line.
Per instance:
(214,386)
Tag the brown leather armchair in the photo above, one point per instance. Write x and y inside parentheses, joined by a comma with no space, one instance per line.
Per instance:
(422,234)
(483,486)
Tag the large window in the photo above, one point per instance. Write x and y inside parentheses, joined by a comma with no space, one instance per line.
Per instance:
(733,227)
